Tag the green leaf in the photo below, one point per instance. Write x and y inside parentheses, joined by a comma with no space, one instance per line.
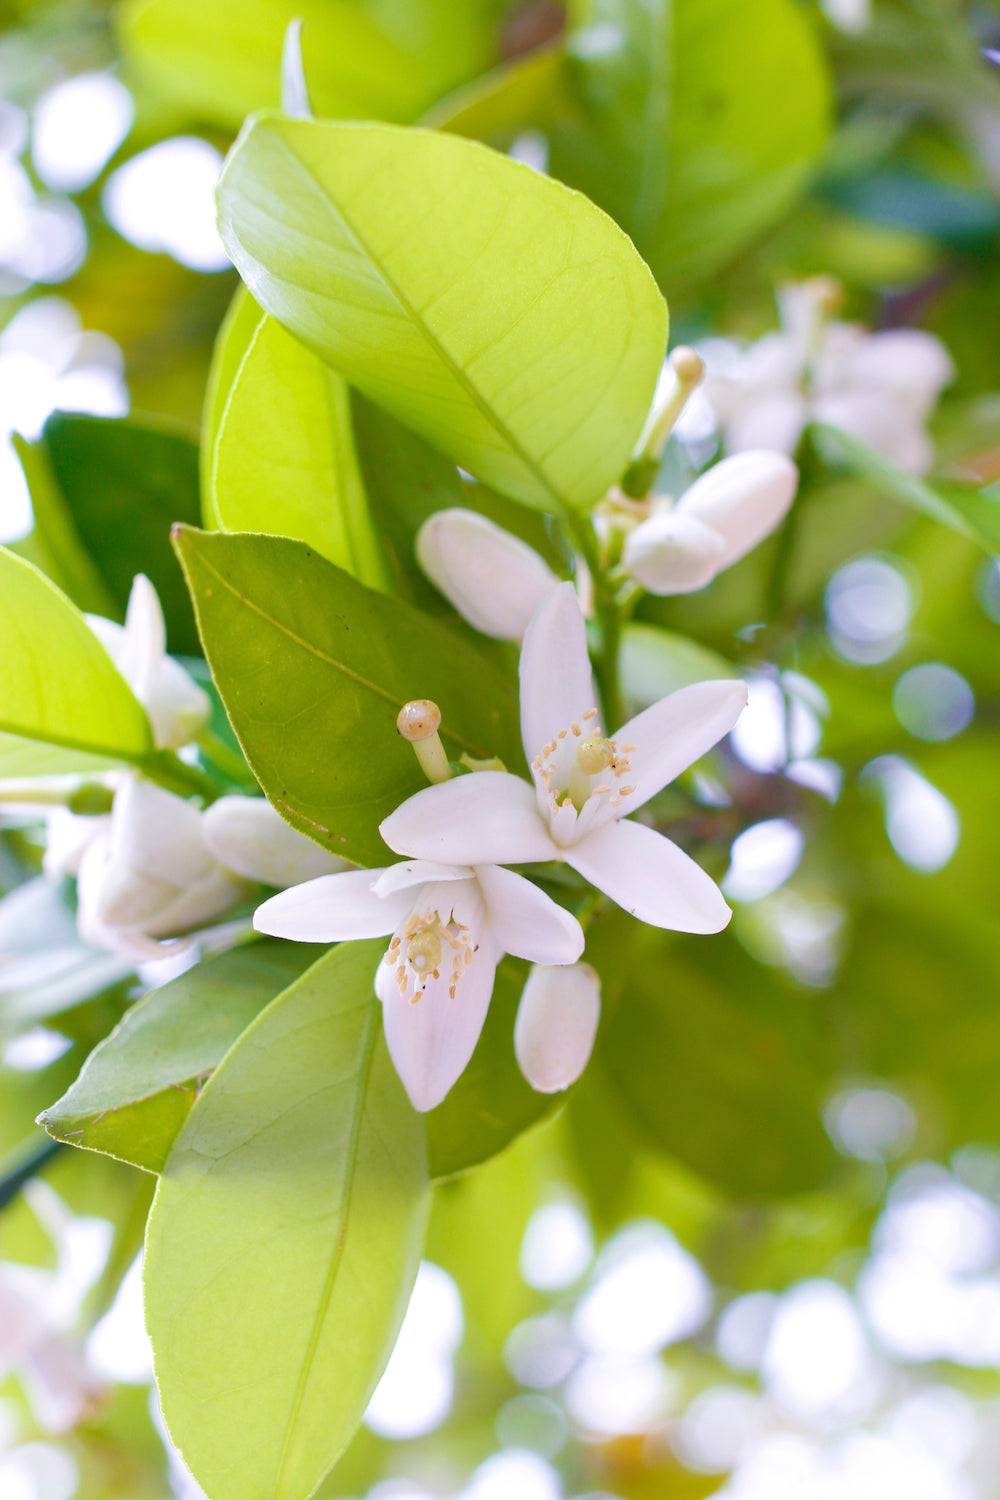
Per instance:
(719,1061)
(502,317)
(58,685)
(389,61)
(407,480)
(136,1089)
(491,1104)
(54,544)
(973,512)
(313,669)
(658,662)
(694,123)
(284,457)
(284,1239)
(126,482)
(235,332)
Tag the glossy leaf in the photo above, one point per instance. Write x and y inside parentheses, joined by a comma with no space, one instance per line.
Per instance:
(716,1058)
(284,1239)
(314,668)
(523,339)
(231,342)
(692,122)
(58,685)
(136,1089)
(124,483)
(491,1104)
(407,480)
(284,459)
(973,512)
(54,544)
(658,662)
(224,60)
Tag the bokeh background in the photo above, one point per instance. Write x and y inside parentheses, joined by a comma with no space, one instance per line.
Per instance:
(766,1266)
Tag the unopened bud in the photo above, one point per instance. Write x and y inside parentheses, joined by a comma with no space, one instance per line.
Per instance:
(494,579)
(556,1025)
(418,721)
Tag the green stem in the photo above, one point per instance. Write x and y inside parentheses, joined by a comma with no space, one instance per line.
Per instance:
(175,775)
(228,761)
(609,619)
(29,1166)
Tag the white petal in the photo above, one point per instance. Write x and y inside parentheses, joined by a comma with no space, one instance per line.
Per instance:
(145,641)
(650,877)
(556,1025)
(158,834)
(413,872)
(557,685)
(332,909)
(908,362)
(66,837)
(742,499)
(672,553)
(488,817)
(178,708)
(197,905)
(883,423)
(671,735)
(252,838)
(525,921)
(493,579)
(432,1038)
(774,420)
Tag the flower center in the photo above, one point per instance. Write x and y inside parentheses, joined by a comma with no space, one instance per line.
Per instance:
(568,769)
(424,947)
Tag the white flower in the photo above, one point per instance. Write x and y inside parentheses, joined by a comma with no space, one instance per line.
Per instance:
(556,1025)
(879,387)
(39,1308)
(450,926)
(251,838)
(584,784)
(150,874)
(493,579)
(176,706)
(723,516)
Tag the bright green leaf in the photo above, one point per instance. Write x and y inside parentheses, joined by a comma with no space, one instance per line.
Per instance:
(231,343)
(389,61)
(136,1089)
(314,668)
(694,128)
(658,662)
(58,685)
(284,1239)
(284,457)
(54,543)
(504,318)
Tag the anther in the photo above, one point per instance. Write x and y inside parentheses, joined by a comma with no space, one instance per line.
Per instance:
(626,791)
(616,801)
(575,728)
(590,714)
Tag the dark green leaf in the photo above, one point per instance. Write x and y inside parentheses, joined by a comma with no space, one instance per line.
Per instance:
(313,669)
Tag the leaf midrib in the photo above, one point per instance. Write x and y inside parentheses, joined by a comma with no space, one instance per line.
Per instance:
(561,504)
(330,661)
(342,1213)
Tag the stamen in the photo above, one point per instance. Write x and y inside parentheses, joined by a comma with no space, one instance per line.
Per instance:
(576,728)
(590,714)
(626,791)
(615,802)
(562,734)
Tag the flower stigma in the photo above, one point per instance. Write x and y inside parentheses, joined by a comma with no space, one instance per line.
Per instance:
(418,721)
(417,951)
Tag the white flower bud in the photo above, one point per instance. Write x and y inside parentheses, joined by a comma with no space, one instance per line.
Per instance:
(151,875)
(724,515)
(493,579)
(176,706)
(556,1025)
(249,836)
